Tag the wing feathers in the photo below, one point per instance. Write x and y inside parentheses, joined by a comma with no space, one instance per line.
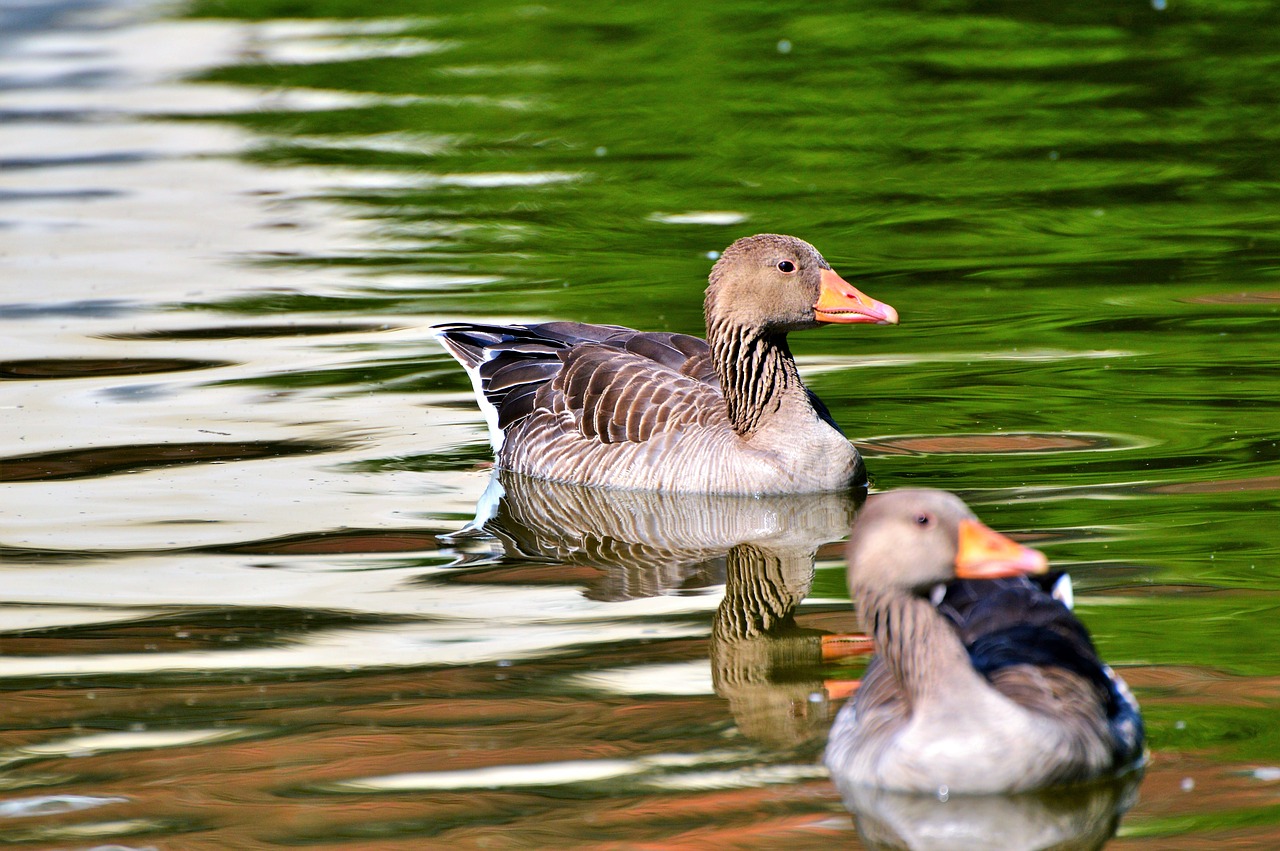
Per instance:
(507,375)
(628,396)
(517,405)
(618,384)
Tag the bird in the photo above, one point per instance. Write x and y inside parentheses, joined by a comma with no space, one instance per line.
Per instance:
(984,681)
(608,406)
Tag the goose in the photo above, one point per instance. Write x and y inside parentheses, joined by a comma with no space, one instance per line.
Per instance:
(608,406)
(981,686)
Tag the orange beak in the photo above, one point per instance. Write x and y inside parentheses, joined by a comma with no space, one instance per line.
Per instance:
(986,554)
(840,301)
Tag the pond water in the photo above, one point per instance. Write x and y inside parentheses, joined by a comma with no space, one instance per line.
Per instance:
(240,606)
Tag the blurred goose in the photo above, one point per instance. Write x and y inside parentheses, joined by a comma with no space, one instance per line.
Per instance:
(608,406)
(983,686)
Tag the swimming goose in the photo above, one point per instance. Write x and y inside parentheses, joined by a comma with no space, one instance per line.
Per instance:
(983,686)
(608,406)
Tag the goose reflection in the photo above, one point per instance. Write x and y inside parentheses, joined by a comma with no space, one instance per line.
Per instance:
(1071,819)
(644,544)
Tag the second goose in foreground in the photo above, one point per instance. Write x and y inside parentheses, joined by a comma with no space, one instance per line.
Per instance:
(982,686)
(608,406)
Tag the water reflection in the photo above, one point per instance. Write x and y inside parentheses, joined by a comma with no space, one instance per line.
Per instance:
(765,665)
(639,544)
(97,461)
(990,444)
(1062,819)
(97,367)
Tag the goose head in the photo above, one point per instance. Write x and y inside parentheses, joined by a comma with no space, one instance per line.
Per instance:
(779,284)
(912,540)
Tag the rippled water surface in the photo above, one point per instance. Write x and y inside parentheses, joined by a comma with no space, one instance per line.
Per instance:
(240,606)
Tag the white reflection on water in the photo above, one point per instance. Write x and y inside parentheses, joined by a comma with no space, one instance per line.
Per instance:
(369,647)
(44,805)
(499,179)
(684,678)
(700,217)
(497,777)
(131,741)
(666,771)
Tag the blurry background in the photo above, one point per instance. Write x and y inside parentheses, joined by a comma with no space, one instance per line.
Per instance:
(229,441)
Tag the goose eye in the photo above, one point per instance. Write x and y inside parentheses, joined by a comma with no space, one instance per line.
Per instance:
(923,519)
(786,267)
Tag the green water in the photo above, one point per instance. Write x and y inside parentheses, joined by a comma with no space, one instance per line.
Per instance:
(235,223)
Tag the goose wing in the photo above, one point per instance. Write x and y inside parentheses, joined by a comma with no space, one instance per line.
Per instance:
(617,383)
(631,393)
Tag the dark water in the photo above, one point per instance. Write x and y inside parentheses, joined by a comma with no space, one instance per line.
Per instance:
(230,443)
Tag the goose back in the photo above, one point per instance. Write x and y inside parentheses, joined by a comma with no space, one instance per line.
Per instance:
(1031,648)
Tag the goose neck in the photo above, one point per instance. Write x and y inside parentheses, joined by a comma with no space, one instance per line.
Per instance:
(917,644)
(757,372)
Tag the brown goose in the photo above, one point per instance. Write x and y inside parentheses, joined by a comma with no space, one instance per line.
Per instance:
(608,406)
(984,686)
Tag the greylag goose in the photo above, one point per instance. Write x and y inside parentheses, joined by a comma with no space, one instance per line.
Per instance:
(608,406)
(977,687)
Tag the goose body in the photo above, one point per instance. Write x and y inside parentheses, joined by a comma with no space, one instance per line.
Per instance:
(984,685)
(609,406)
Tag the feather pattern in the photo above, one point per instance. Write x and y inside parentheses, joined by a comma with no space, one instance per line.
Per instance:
(609,406)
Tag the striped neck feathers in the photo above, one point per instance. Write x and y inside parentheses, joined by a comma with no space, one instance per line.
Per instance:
(757,373)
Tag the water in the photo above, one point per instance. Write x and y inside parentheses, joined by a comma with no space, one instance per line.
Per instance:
(231,444)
